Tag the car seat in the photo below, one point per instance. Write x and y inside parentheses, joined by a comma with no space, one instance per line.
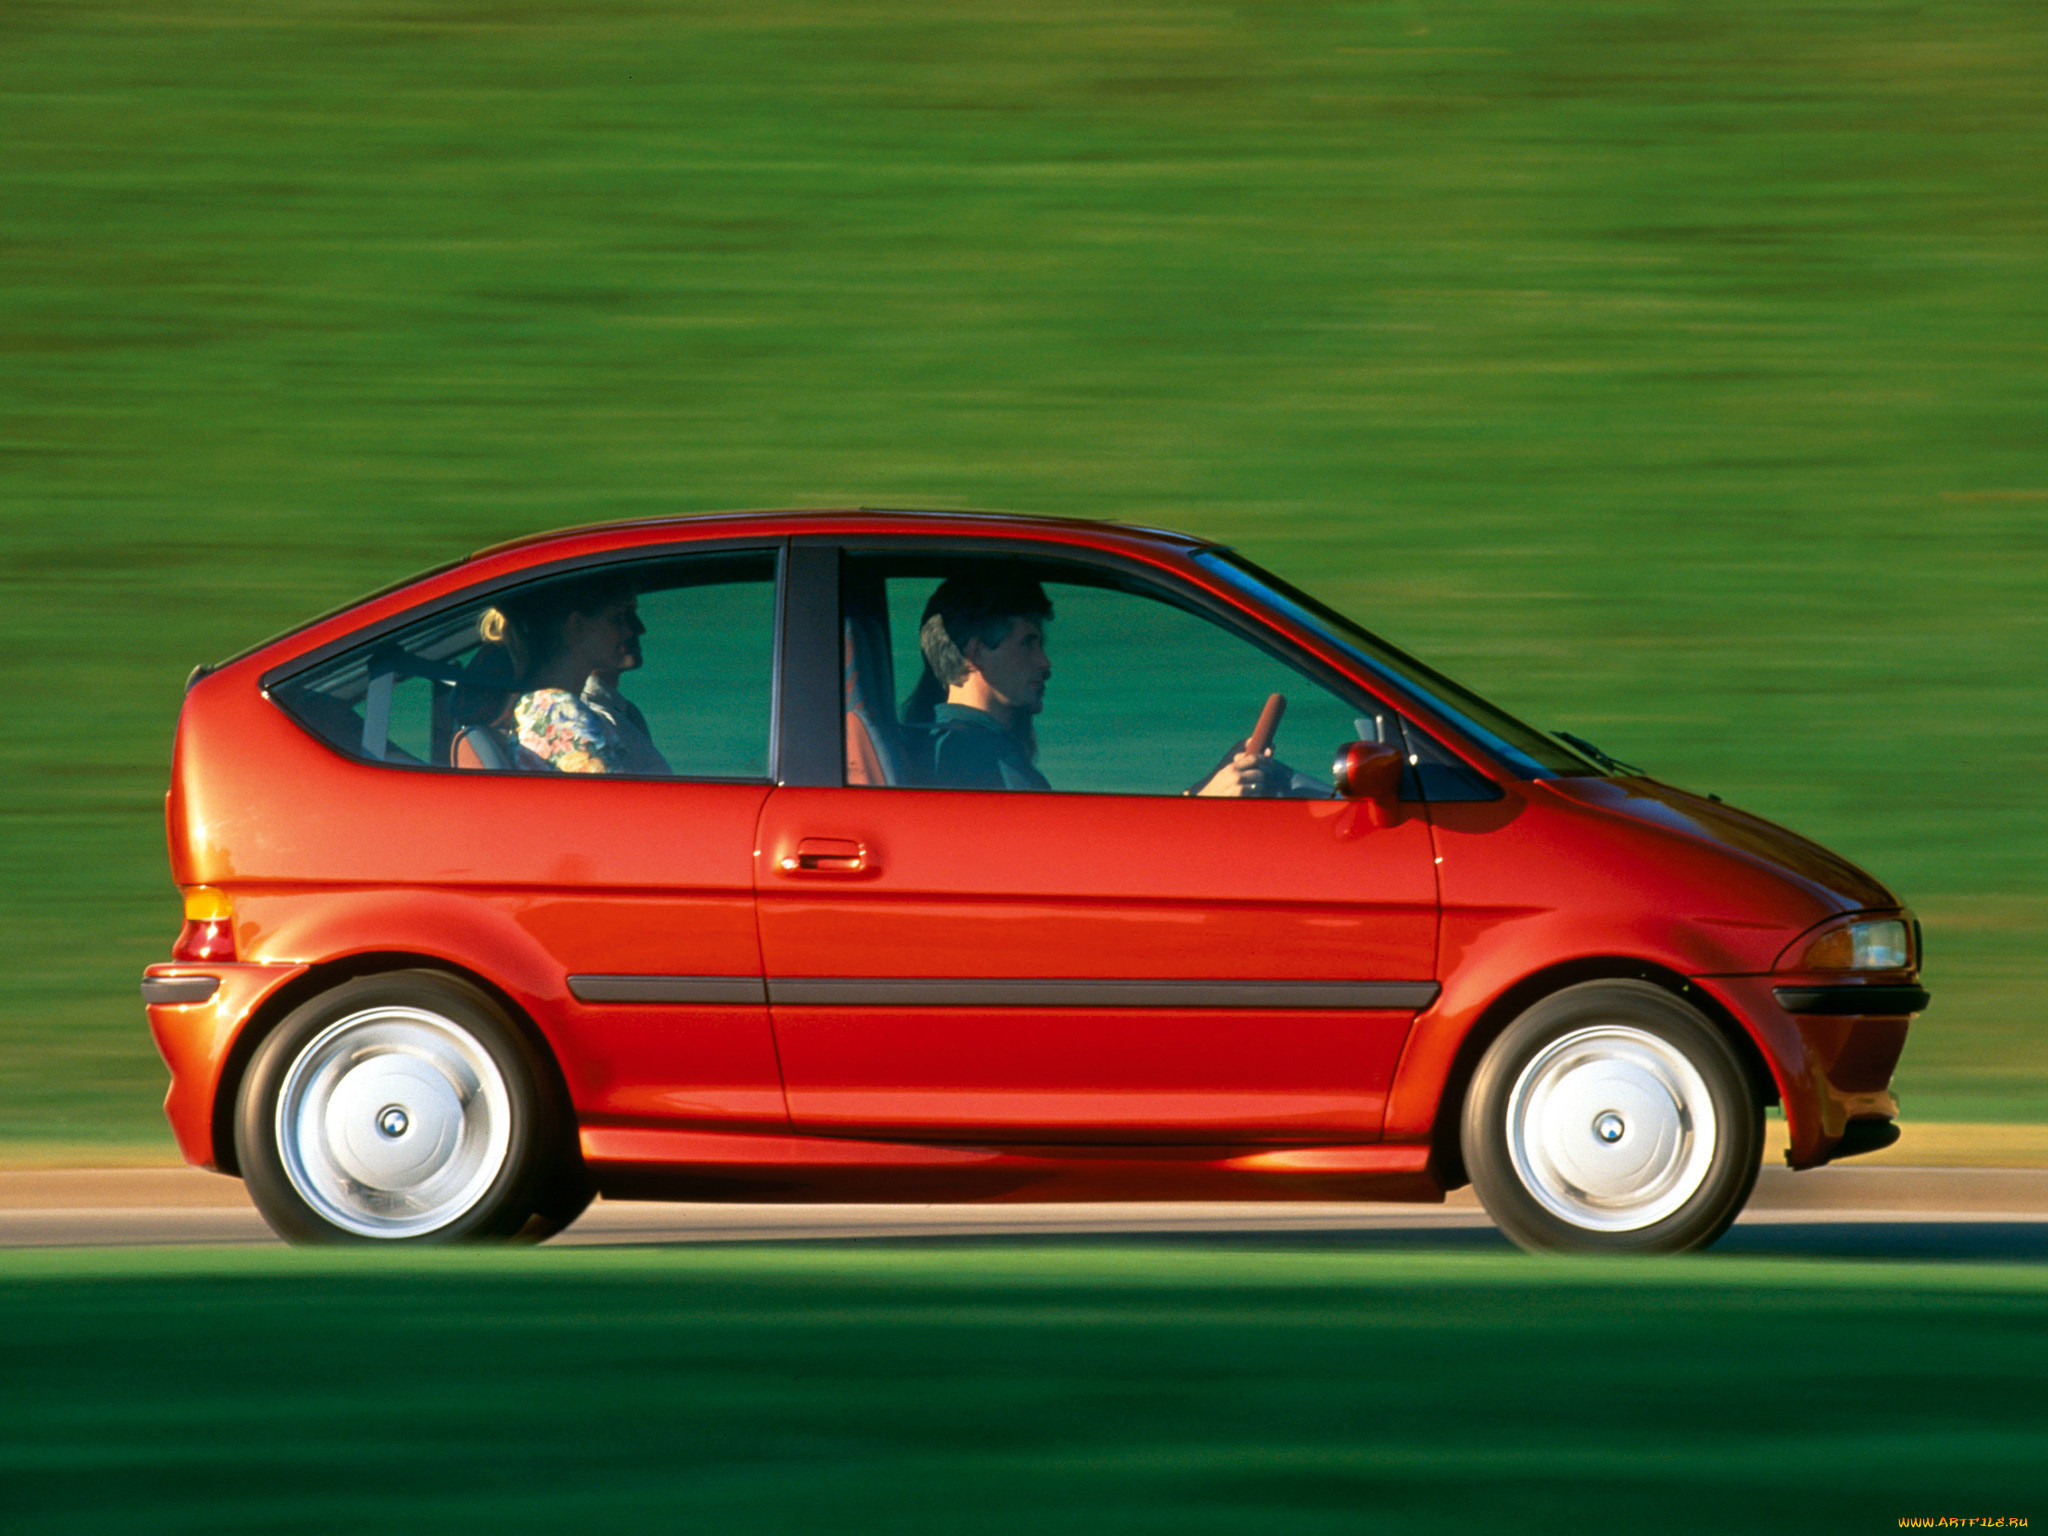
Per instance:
(874,756)
(481,747)
(477,746)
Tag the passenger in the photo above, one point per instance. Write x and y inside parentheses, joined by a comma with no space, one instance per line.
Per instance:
(556,638)
(983,638)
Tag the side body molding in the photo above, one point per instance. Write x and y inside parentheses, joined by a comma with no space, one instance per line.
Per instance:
(1003,992)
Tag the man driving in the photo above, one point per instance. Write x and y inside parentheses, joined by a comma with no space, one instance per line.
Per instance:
(983,639)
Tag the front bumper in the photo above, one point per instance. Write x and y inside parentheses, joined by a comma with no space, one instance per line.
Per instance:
(1832,1060)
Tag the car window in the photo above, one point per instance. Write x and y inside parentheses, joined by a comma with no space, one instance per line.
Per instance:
(672,662)
(1144,696)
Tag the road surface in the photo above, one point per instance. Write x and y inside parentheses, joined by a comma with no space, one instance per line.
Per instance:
(1897,1213)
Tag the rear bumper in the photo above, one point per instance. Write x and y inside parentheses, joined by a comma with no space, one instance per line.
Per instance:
(1832,1065)
(197,1034)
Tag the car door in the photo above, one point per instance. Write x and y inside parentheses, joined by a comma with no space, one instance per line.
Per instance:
(1114,959)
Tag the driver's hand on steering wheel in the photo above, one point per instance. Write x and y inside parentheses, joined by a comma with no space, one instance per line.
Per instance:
(1240,778)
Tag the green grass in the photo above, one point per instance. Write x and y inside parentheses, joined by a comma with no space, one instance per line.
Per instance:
(996,1391)
(1671,372)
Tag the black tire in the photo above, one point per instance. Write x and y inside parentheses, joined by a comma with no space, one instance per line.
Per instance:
(405,1108)
(1672,1135)
(563,1196)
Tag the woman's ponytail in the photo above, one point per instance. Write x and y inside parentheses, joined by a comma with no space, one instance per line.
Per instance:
(499,628)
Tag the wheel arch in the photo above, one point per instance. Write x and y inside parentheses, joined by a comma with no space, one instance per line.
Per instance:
(324,977)
(1447,1158)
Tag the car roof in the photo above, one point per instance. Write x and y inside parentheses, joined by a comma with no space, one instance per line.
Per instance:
(796,522)
(591,539)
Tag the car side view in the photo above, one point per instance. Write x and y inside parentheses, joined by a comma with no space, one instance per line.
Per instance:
(911,856)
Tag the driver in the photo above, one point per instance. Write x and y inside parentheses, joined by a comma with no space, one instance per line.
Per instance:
(983,638)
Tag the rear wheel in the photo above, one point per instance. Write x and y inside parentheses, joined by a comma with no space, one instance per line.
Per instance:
(405,1108)
(1612,1118)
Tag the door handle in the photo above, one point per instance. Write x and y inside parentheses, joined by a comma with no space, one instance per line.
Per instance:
(828,856)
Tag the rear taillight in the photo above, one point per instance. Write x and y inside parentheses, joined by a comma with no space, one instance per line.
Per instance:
(209,931)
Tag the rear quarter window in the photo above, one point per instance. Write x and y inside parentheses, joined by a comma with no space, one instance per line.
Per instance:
(681,682)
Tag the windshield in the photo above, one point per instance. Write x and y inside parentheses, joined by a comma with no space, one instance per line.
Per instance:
(1522,748)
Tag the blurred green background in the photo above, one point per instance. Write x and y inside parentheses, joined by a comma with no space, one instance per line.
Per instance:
(1671,372)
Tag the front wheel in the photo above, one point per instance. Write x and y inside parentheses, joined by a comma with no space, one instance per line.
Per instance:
(404,1108)
(1612,1117)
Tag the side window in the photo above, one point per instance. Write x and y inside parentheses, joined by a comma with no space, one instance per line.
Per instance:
(1140,696)
(706,685)
(647,668)
(1153,699)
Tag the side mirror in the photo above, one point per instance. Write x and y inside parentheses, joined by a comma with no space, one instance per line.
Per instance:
(1369,771)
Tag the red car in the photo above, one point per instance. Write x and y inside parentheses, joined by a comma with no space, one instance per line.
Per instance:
(913,856)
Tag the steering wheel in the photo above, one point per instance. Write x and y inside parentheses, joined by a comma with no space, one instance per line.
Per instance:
(1263,733)
(1260,739)
(1269,725)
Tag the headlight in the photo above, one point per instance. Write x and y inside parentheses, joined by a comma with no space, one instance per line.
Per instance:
(1875,944)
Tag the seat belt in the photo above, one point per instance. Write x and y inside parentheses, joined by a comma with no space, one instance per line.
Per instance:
(377,715)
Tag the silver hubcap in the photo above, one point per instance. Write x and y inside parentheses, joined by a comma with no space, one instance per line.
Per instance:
(1611,1128)
(393,1122)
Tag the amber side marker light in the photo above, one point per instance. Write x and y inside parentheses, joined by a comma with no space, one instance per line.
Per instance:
(1875,944)
(209,931)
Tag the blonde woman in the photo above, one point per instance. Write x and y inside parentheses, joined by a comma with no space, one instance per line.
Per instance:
(556,639)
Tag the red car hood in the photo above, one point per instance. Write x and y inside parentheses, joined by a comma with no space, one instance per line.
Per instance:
(1661,805)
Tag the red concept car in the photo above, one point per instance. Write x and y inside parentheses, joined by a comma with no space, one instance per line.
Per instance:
(916,856)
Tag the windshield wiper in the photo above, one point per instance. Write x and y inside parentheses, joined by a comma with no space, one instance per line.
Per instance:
(1613,764)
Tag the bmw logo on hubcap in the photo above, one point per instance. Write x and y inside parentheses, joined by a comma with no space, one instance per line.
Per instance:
(1608,1127)
(392,1121)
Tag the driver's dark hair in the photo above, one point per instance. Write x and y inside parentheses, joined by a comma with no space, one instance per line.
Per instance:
(981,605)
(977,605)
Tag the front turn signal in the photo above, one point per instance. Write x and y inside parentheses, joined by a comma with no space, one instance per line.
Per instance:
(209,931)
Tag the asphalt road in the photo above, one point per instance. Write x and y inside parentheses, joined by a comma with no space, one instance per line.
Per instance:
(1890,1213)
